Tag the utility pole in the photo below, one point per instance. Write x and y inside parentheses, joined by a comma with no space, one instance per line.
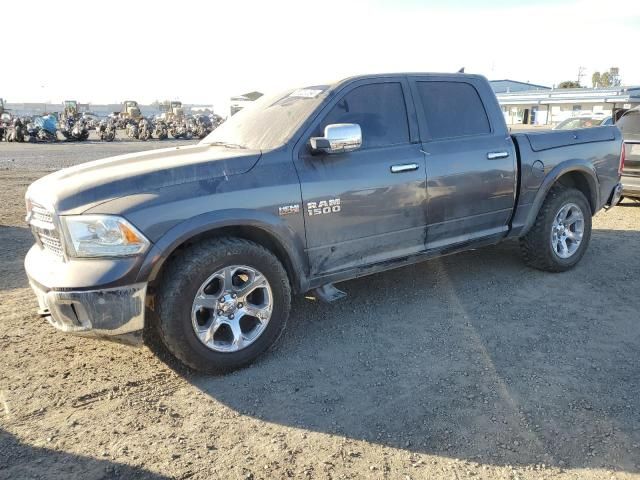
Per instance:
(581,71)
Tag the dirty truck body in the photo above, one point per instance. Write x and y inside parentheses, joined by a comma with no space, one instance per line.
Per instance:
(313,186)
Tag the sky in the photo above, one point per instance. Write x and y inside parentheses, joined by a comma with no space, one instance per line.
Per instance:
(206,51)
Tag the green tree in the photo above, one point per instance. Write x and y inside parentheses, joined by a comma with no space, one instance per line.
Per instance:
(569,84)
(605,80)
(595,79)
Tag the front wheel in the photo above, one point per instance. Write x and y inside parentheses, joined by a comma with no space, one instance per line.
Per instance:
(561,233)
(222,303)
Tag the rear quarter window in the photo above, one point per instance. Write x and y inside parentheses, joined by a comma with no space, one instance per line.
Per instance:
(453,109)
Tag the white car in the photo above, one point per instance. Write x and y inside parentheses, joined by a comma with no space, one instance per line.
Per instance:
(584,121)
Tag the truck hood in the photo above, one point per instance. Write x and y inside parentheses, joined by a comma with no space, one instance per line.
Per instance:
(74,190)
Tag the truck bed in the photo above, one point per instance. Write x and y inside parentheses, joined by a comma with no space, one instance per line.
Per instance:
(593,153)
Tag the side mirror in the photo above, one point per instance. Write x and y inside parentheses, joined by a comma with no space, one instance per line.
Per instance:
(338,138)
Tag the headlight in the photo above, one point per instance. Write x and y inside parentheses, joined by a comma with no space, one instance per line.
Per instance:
(102,236)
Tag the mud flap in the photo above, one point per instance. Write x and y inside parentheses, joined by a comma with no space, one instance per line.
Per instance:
(615,196)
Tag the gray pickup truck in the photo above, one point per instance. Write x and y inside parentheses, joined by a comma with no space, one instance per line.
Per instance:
(206,243)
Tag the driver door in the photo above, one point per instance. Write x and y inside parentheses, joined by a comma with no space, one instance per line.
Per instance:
(368,205)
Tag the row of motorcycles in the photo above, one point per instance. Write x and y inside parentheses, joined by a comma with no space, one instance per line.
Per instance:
(198,126)
(40,129)
(45,128)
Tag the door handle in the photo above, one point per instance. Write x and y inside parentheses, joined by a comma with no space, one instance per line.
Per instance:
(406,167)
(497,155)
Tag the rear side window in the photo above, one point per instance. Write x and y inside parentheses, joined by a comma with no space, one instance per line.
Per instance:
(380,111)
(452,109)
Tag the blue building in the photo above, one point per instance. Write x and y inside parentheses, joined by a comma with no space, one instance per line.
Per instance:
(509,86)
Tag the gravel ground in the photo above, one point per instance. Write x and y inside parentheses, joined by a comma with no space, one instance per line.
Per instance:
(469,366)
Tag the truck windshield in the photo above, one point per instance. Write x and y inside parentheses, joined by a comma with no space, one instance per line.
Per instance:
(270,121)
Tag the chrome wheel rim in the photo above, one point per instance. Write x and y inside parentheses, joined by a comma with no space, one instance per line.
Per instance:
(567,230)
(232,308)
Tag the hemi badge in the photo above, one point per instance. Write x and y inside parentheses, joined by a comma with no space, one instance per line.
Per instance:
(288,209)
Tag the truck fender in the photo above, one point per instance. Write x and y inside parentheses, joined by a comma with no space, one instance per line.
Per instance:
(583,167)
(290,245)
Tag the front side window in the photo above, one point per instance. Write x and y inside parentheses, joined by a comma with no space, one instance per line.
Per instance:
(452,109)
(380,111)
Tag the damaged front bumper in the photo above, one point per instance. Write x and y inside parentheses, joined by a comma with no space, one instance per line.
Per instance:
(113,312)
(96,298)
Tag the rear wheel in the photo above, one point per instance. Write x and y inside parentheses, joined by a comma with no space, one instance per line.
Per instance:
(222,303)
(561,233)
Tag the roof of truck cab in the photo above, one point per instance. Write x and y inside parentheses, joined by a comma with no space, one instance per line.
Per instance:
(406,74)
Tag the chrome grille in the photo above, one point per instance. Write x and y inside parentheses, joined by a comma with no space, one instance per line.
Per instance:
(44,229)
(50,241)
(39,214)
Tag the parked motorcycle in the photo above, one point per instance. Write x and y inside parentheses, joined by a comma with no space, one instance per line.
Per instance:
(132,131)
(74,130)
(216,120)
(43,129)
(80,131)
(66,125)
(144,130)
(106,130)
(180,130)
(160,130)
(201,126)
(16,131)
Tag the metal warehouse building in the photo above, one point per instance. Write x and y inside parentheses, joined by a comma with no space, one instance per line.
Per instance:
(551,106)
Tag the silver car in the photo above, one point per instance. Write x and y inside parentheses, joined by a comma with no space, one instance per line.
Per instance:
(584,121)
(629,125)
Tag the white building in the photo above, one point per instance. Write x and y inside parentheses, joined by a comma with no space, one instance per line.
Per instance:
(549,107)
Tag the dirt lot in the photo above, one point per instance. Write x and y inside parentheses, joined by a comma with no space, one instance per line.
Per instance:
(471,366)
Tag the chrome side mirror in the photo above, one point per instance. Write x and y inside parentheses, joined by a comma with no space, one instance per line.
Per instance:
(338,138)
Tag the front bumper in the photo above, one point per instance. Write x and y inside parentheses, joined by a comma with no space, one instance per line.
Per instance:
(99,298)
(101,313)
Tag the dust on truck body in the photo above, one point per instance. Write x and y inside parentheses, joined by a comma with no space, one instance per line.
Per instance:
(206,244)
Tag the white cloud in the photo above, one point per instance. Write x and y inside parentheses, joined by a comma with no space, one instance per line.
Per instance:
(207,51)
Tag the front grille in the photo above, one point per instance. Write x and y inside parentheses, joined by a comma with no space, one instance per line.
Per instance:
(39,214)
(50,241)
(44,229)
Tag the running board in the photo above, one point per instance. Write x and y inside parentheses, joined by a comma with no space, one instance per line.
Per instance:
(328,293)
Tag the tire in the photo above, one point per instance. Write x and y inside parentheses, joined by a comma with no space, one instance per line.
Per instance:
(184,278)
(537,246)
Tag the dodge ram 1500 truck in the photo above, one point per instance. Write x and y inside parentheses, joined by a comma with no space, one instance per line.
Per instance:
(312,186)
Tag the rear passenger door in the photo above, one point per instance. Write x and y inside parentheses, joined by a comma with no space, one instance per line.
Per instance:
(368,205)
(471,164)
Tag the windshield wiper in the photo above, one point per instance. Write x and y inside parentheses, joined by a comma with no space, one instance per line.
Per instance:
(227,144)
